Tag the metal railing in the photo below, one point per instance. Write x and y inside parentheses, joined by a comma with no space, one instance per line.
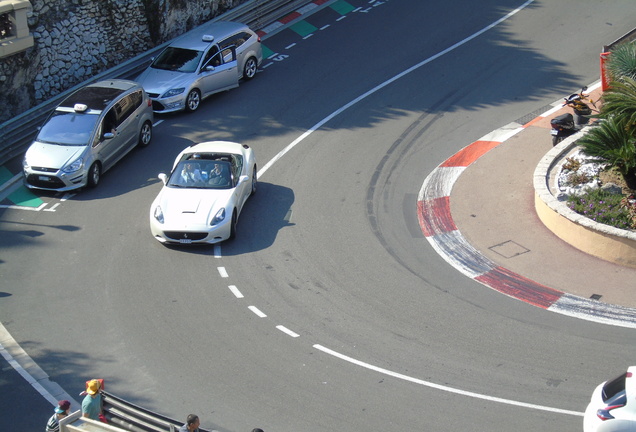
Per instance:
(18,133)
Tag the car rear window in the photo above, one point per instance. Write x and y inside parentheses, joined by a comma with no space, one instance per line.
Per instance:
(614,387)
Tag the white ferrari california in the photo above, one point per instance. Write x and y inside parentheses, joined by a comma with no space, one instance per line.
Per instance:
(202,197)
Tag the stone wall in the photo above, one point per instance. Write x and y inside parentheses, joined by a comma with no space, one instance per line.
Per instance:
(77,39)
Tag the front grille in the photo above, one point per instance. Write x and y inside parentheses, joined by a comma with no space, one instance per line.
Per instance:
(44,169)
(185,235)
(153,95)
(47,182)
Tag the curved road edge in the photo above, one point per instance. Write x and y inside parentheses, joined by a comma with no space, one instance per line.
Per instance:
(439,228)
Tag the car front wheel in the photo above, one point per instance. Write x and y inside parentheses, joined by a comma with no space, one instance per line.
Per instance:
(254,180)
(193,100)
(233,226)
(145,135)
(94,174)
(249,70)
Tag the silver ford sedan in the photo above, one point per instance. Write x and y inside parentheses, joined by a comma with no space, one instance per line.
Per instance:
(207,60)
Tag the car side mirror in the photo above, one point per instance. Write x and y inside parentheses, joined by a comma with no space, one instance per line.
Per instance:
(208,68)
(109,135)
(243,179)
(163,177)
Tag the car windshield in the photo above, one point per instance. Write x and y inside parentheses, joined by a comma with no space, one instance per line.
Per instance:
(202,174)
(68,128)
(178,59)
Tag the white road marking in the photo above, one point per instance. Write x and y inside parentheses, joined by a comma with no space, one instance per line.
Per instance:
(257,311)
(379,87)
(287,331)
(235,291)
(217,251)
(222,272)
(444,388)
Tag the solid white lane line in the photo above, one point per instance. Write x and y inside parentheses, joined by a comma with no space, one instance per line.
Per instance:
(337,112)
(445,388)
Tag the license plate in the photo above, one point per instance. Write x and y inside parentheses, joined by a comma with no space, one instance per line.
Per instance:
(554,132)
(185,241)
(44,178)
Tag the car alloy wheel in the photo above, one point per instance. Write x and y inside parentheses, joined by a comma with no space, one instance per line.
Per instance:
(193,100)
(145,135)
(94,174)
(249,71)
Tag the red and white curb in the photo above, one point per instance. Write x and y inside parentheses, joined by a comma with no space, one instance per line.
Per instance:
(282,22)
(436,222)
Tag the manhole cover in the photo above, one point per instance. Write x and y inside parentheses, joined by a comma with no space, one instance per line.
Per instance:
(509,249)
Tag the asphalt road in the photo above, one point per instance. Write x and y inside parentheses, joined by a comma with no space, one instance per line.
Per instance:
(346,319)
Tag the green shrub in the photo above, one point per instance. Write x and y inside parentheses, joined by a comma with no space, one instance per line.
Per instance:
(603,207)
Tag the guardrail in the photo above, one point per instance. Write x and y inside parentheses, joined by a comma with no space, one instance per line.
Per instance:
(18,133)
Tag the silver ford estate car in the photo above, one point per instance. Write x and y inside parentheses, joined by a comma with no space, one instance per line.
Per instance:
(207,60)
(87,134)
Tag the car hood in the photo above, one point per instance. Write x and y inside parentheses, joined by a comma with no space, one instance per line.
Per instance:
(159,81)
(192,206)
(57,156)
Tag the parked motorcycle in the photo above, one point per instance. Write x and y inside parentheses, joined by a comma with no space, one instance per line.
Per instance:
(562,127)
(565,125)
(578,102)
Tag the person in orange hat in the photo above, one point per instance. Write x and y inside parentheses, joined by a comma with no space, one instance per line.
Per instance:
(92,403)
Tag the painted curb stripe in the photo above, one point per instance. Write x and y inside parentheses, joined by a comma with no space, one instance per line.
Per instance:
(341,7)
(439,228)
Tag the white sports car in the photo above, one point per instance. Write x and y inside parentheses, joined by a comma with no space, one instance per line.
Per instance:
(203,196)
(613,405)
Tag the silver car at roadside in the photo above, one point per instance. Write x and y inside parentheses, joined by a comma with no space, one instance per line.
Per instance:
(87,134)
(207,60)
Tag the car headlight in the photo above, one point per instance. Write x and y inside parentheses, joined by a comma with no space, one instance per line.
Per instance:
(74,166)
(173,92)
(218,217)
(158,214)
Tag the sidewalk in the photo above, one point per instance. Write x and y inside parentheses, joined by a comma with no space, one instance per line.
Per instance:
(495,236)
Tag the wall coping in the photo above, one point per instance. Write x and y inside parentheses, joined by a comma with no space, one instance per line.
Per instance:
(622,243)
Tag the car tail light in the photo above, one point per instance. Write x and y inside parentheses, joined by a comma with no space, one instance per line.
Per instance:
(604,413)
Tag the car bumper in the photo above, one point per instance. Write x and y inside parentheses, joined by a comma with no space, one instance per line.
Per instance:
(189,234)
(54,181)
(169,104)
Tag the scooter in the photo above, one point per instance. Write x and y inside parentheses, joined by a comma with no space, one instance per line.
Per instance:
(565,125)
(577,101)
(562,127)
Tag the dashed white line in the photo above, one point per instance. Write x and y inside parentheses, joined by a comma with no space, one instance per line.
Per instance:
(222,272)
(308,36)
(217,251)
(287,331)
(235,291)
(257,311)
(290,46)
(325,26)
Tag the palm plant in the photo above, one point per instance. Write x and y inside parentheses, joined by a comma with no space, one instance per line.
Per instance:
(619,101)
(622,62)
(612,143)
